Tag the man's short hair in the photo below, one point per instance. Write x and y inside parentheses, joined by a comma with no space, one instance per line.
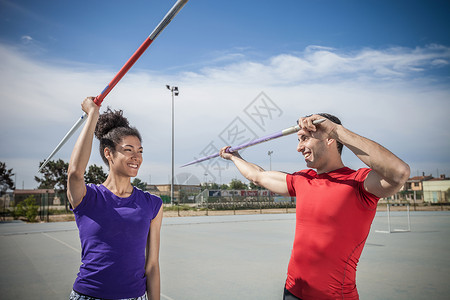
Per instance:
(336,120)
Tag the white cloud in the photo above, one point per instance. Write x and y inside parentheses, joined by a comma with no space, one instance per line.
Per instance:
(26,39)
(439,62)
(385,94)
(327,64)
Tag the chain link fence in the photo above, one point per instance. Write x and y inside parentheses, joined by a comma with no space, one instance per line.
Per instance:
(49,203)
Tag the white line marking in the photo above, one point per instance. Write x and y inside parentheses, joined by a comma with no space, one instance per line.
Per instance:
(64,243)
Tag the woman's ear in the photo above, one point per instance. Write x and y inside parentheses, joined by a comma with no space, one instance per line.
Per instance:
(108,155)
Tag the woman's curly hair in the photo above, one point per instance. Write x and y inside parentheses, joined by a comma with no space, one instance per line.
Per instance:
(111,128)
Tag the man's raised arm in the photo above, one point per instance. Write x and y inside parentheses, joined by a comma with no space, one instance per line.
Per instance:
(272,180)
(389,173)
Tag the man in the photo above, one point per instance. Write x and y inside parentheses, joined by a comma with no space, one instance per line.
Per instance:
(335,205)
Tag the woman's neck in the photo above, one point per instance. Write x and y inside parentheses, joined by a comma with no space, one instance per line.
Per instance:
(119,186)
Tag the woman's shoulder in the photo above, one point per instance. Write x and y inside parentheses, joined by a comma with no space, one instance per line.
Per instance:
(92,188)
(92,194)
(151,201)
(147,195)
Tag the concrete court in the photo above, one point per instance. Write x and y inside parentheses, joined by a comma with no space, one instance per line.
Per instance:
(234,257)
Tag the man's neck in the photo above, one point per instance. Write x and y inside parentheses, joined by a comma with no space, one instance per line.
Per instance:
(338,164)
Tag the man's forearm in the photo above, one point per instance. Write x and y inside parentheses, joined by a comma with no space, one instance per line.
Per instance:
(379,159)
(247,169)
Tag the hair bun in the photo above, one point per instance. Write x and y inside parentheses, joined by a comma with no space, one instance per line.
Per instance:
(108,121)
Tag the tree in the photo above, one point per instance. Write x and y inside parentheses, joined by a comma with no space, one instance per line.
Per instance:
(204,186)
(236,184)
(139,184)
(6,181)
(214,186)
(54,177)
(95,175)
(28,209)
(253,186)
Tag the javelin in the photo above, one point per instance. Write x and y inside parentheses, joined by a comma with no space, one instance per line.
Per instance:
(263,139)
(99,99)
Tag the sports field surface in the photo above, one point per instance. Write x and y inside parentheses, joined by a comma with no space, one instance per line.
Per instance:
(235,257)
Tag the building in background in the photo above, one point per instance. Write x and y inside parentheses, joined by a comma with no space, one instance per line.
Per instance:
(415,183)
(436,190)
(182,193)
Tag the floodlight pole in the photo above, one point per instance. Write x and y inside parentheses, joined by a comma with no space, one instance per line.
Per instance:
(270,159)
(174,91)
(270,168)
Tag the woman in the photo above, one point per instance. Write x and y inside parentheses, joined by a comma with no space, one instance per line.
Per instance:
(119,225)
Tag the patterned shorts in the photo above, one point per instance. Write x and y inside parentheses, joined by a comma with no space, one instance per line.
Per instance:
(76,296)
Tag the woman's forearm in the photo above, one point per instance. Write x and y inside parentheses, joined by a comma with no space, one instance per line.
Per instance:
(154,283)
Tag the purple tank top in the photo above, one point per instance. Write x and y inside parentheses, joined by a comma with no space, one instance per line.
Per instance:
(113,234)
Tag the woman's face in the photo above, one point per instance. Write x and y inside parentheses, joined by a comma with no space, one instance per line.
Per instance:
(127,158)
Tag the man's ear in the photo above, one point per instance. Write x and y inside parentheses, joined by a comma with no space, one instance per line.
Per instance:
(330,141)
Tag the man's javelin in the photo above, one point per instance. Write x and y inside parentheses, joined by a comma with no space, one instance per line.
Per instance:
(263,139)
(99,99)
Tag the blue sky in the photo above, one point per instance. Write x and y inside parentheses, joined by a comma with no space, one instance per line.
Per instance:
(86,31)
(382,66)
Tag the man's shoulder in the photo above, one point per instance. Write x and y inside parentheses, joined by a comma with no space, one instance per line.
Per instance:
(305,172)
(342,172)
(302,174)
(348,173)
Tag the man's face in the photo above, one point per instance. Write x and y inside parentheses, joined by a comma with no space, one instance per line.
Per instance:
(313,147)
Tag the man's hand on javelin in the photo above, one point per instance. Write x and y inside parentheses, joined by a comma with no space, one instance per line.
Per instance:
(320,131)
